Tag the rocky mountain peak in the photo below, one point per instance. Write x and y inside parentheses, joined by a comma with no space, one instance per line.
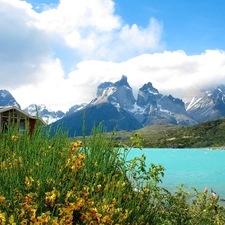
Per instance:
(6,99)
(147,94)
(119,94)
(46,114)
(171,104)
(149,88)
(103,87)
(122,82)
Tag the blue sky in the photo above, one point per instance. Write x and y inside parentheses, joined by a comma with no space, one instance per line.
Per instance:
(192,25)
(57,52)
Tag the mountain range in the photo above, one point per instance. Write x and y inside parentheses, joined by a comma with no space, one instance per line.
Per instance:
(116,108)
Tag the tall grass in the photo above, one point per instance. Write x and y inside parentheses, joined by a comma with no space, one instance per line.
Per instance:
(47,179)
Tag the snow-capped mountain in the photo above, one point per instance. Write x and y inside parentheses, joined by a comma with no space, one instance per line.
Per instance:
(76,108)
(118,94)
(116,106)
(157,108)
(206,104)
(47,115)
(6,99)
(150,107)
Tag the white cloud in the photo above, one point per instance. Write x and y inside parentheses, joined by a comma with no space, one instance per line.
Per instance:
(93,29)
(31,55)
(169,72)
(142,39)
(23,48)
(70,15)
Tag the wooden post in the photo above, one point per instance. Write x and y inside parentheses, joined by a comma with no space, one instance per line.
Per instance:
(9,118)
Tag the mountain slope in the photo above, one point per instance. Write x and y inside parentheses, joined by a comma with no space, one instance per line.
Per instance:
(6,99)
(47,115)
(116,106)
(105,113)
(154,108)
(206,104)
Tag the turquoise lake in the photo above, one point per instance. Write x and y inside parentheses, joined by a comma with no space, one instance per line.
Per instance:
(197,168)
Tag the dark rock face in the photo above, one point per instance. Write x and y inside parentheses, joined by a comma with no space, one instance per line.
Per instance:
(105,113)
(148,95)
(171,104)
(158,108)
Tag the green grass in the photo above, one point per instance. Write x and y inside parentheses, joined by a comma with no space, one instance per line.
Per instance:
(51,179)
(209,134)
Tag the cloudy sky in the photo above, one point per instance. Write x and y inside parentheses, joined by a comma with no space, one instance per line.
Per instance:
(56,52)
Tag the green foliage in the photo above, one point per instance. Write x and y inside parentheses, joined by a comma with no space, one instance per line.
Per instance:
(49,179)
(207,134)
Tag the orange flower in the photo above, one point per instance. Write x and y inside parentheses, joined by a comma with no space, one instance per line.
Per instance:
(99,187)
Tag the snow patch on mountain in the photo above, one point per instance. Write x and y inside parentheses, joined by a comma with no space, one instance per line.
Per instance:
(47,115)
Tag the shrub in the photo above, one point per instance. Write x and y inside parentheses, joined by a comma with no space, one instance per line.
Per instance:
(52,180)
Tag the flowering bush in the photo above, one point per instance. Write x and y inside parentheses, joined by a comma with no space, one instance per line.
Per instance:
(52,180)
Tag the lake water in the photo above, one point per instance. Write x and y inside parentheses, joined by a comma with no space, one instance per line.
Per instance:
(199,168)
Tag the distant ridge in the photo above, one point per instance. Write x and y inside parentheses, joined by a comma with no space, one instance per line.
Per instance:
(115,105)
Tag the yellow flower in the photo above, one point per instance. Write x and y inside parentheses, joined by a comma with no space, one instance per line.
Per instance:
(14,138)
(99,187)
(11,220)
(146,190)
(51,196)
(106,219)
(2,199)
(2,218)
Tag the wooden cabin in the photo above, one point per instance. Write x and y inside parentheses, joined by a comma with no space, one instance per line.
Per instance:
(11,115)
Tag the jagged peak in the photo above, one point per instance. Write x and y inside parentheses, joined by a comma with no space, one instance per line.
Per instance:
(7,99)
(149,87)
(175,100)
(105,85)
(122,82)
(4,93)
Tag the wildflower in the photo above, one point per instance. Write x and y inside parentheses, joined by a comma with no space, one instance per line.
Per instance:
(28,181)
(81,156)
(2,199)
(51,196)
(75,145)
(146,190)
(14,138)
(214,195)
(2,218)
(106,219)
(99,187)
(11,220)
(206,190)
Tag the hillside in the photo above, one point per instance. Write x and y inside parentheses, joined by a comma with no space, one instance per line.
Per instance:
(208,134)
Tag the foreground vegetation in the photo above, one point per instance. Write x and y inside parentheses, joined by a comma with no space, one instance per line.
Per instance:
(50,180)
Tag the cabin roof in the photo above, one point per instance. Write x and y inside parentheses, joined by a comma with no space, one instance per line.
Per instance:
(7,108)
